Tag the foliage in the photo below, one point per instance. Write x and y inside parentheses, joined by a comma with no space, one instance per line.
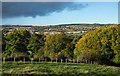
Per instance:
(3,42)
(58,44)
(102,45)
(40,53)
(35,43)
(17,42)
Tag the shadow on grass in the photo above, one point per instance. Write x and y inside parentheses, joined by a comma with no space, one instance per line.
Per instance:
(5,74)
(49,63)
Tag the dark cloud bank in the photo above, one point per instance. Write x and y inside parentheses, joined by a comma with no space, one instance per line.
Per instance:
(15,9)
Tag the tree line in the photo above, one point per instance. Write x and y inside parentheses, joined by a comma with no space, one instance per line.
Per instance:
(101,45)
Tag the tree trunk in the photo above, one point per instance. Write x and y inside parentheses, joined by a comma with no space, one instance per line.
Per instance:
(73,61)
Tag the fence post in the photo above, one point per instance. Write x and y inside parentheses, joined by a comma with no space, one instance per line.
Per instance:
(86,61)
(71,61)
(39,59)
(24,60)
(61,60)
(45,60)
(77,60)
(91,61)
(56,60)
(66,60)
(14,59)
(31,60)
(51,60)
(3,59)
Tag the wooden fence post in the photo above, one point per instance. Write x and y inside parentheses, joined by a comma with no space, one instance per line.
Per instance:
(66,60)
(45,60)
(86,61)
(14,59)
(51,60)
(77,60)
(39,59)
(24,60)
(31,60)
(3,59)
(56,60)
(91,61)
(61,60)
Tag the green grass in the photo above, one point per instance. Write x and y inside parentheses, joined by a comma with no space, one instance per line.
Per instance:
(58,69)
(79,34)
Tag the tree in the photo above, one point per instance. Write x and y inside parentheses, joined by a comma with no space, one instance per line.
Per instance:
(35,43)
(18,41)
(58,46)
(3,42)
(40,53)
(68,51)
(100,45)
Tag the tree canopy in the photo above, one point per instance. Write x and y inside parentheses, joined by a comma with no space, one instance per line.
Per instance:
(17,41)
(35,43)
(58,45)
(102,44)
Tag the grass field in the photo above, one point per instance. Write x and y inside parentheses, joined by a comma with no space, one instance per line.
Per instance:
(79,34)
(58,69)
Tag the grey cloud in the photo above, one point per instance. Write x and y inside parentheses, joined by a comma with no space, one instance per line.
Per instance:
(15,9)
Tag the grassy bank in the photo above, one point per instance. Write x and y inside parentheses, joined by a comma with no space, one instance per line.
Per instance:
(58,69)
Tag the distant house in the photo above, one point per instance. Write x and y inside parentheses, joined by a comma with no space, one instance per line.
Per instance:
(84,31)
(37,32)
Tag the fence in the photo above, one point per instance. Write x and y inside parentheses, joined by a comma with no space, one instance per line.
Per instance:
(45,60)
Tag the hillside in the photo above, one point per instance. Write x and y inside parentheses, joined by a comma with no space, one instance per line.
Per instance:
(52,29)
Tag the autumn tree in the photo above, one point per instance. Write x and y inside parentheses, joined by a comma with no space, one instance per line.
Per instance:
(100,45)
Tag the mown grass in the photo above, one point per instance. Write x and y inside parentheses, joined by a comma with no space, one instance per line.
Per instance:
(58,69)
(79,34)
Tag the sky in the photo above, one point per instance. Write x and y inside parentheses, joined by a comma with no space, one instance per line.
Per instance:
(55,13)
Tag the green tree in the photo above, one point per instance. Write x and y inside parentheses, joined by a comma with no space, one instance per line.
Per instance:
(35,43)
(58,46)
(3,42)
(17,41)
(68,51)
